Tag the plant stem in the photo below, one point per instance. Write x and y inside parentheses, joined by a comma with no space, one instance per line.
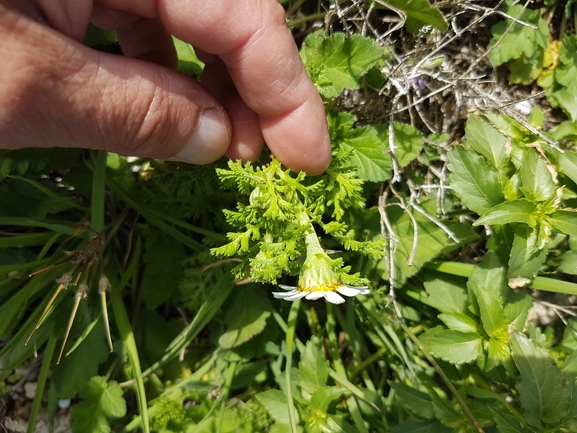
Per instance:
(290,337)
(539,283)
(43,376)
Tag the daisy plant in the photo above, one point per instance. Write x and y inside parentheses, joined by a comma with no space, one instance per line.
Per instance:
(278,226)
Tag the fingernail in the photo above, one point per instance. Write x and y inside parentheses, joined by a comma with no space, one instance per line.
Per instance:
(210,140)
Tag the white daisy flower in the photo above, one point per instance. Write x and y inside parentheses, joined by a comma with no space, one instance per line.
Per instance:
(331,294)
(319,279)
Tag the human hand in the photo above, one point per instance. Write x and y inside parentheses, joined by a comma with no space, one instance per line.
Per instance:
(55,92)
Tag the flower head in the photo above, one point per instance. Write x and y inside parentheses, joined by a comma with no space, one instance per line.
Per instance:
(320,279)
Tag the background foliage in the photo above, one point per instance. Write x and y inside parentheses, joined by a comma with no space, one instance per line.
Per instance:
(141,290)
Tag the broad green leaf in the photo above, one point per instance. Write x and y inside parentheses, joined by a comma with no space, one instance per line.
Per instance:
(102,400)
(409,141)
(568,263)
(447,293)
(519,39)
(275,402)
(537,181)
(452,346)
(68,377)
(163,269)
(432,240)
(566,98)
(507,423)
(486,140)
(565,221)
(335,63)
(515,211)
(188,62)
(526,259)
(474,180)
(563,92)
(517,307)
(568,162)
(544,393)
(525,70)
(419,14)
(368,153)
(323,396)
(459,322)
(313,366)
(488,286)
(417,402)
(337,424)
(498,354)
(246,316)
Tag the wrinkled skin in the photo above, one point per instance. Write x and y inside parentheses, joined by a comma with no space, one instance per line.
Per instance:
(54,92)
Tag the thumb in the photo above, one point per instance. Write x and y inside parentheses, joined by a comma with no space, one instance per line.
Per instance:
(54,92)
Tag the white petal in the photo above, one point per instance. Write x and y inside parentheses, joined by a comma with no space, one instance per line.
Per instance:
(334,298)
(312,296)
(284,294)
(285,287)
(296,296)
(353,291)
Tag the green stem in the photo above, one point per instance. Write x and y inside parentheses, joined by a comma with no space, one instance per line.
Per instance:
(123,323)
(224,393)
(539,283)
(313,17)
(98,191)
(42,378)
(290,337)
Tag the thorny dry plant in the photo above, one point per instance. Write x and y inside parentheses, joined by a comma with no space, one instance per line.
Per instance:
(434,81)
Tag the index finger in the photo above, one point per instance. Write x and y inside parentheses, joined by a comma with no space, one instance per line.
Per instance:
(252,39)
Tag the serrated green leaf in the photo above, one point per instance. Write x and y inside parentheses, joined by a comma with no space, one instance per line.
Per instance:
(475,181)
(313,366)
(419,14)
(322,397)
(526,259)
(568,161)
(517,307)
(566,98)
(544,393)
(537,181)
(447,294)
(452,346)
(102,400)
(459,322)
(568,263)
(432,240)
(336,63)
(275,402)
(409,141)
(417,402)
(515,211)
(565,221)
(246,317)
(368,153)
(525,70)
(487,286)
(519,40)
(498,354)
(507,423)
(486,140)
